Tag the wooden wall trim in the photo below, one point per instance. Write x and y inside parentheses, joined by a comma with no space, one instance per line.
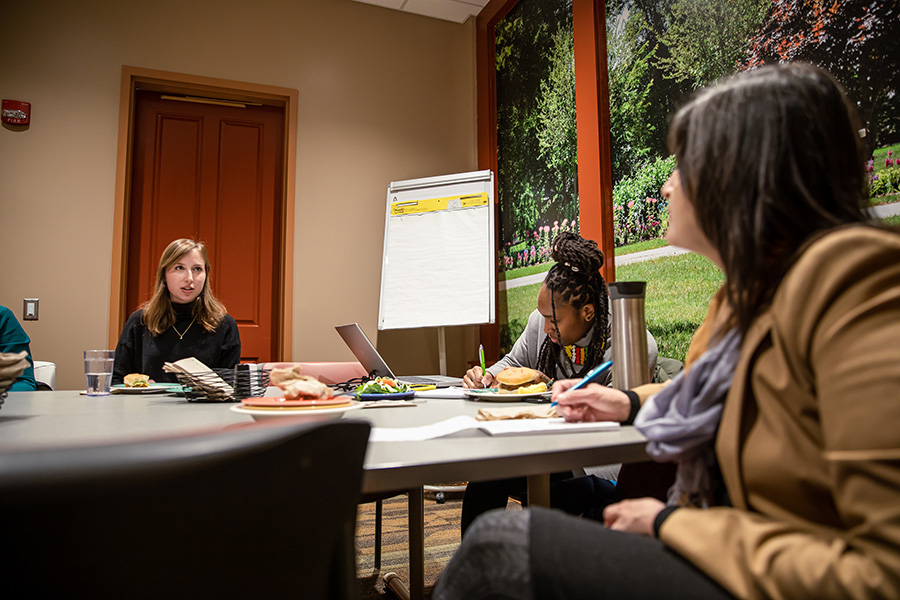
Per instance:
(120,212)
(592,117)
(487,138)
(151,79)
(287,242)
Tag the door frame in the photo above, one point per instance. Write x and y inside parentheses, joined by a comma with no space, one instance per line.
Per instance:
(195,85)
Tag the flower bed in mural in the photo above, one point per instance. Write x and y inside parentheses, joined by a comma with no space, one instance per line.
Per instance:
(885,179)
(639,211)
(533,248)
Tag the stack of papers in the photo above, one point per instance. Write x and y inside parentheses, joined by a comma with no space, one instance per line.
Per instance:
(493,428)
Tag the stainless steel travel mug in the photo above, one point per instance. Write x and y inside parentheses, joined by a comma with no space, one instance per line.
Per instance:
(629,337)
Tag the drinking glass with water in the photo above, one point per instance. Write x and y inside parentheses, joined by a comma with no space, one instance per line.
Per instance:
(98,370)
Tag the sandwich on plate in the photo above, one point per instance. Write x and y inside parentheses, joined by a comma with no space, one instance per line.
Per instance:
(297,386)
(520,380)
(136,380)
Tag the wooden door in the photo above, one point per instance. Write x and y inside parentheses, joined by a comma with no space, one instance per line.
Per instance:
(212,173)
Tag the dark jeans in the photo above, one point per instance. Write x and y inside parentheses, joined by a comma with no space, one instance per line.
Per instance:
(585,496)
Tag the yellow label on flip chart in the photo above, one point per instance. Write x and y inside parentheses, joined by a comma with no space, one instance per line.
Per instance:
(410,207)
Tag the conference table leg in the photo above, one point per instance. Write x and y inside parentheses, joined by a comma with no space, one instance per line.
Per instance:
(539,490)
(417,543)
(416,531)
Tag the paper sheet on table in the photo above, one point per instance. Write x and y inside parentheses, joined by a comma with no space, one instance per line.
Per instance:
(493,428)
(448,392)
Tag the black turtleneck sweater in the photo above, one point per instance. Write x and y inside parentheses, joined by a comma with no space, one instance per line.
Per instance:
(139,351)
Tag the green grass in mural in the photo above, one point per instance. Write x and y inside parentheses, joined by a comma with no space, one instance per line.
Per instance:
(641,246)
(679,289)
(630,248)
(514,306)
(523,271)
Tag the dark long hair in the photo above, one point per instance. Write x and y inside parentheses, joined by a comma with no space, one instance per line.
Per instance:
(576,280)
(769,159)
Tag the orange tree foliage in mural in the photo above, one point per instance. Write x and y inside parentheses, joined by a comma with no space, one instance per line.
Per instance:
(856,40)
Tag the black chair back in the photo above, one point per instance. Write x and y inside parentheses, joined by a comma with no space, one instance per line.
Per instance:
(253,512)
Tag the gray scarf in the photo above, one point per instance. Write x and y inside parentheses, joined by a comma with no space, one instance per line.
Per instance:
(681,420)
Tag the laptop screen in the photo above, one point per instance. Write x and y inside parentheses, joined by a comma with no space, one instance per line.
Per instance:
(369,358)
(364,350)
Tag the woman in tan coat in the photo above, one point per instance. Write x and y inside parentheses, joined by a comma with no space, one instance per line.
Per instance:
(786,425)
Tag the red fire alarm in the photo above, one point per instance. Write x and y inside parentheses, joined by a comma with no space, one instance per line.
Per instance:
(14,112)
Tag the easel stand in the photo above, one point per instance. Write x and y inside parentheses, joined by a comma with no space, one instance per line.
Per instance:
(442,350)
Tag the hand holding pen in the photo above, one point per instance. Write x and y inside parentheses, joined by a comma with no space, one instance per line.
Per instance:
(590,403)
(594,374)
(478,377)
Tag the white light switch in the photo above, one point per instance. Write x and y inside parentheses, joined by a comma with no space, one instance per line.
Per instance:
(31,309)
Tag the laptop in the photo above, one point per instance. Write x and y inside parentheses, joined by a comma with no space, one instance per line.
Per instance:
(368,357)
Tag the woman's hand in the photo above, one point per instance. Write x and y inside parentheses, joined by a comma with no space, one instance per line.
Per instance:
(594,402)
(477,379)
(633,516)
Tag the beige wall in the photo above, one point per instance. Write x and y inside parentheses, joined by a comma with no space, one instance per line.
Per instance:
(383,96)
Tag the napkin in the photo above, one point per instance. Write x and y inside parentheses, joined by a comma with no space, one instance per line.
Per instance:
(516,412)
(213,386)
(12,364)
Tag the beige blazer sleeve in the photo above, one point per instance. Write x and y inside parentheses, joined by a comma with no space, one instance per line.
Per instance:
(818,398)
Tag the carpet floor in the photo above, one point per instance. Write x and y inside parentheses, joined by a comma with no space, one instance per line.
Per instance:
(441,541)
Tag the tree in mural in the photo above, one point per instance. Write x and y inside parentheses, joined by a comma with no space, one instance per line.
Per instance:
(707,40)
(536,151)
(856,41)
(556,132)
(630,86)
(639,26)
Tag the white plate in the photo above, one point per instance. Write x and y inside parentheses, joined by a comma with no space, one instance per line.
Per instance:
(493,396)
(309,414)
(152,388)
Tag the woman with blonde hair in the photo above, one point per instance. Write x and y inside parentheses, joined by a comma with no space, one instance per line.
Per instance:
(183,319)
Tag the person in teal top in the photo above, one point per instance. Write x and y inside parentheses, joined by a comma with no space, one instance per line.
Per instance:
(14,339)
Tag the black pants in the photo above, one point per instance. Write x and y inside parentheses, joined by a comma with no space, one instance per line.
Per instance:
(540,554)
(574,559)
(584,496)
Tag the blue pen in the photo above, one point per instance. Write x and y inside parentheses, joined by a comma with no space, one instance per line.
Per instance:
(593,374)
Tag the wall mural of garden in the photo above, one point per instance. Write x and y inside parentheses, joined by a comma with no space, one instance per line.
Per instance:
(536,145)
(658,53)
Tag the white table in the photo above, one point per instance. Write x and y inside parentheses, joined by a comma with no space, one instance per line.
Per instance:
(29,419)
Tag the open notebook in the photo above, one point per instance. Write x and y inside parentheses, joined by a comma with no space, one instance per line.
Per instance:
(371,360)
(492,428)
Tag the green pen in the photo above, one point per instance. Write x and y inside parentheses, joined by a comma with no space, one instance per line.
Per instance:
(481,356)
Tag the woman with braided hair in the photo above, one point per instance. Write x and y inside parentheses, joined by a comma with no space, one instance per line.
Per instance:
(567,336)
(569,333)
(576,280)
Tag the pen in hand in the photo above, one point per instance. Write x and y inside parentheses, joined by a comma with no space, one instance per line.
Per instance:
(592,375)
(481,357)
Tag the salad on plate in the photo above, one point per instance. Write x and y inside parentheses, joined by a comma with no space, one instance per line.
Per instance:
(382,385)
